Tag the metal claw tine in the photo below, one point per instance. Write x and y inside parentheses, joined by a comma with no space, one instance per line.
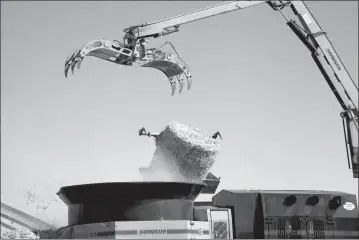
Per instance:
(79,63)
(78,52)
(173,89)
(181,86)
(71,62)
(67,59)
(173,85)
(72,56)
(66,69)
(73,65)
(180,82)
(189,82)
(77,55)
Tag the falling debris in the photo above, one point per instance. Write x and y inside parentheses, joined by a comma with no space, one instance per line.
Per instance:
(40,204)
(183,153)
(31,197)
(43,206)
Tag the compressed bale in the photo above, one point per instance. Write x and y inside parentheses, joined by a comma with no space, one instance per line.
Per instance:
(183,153)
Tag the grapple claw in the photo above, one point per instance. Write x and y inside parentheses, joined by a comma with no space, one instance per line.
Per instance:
(71,58)
(75,59)
(133,55)
(103,49)
(66,70)
(180,82)
(67,59)
(189,83)
(170,65)
(73,65)
(79,63)
(188,76)
(173,85)
(68,63)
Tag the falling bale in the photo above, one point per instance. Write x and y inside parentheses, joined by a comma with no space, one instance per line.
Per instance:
(183,153)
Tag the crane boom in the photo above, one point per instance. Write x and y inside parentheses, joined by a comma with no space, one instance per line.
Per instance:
(170,25)
(343,81)
(308,31)
(334,72)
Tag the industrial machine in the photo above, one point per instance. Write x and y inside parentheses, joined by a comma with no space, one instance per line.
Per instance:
(134,53)
(167,210)
(143,210)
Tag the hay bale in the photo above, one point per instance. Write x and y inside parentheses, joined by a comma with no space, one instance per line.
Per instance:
(184,153)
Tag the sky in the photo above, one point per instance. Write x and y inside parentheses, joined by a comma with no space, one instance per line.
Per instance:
(253,80)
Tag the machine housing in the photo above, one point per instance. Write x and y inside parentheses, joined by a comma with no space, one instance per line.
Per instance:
(145,210)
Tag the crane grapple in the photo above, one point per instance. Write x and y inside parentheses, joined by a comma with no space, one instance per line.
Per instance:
(175,69)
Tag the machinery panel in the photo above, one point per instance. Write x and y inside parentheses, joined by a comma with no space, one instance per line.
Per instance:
(243,208)
(220,222)
(162,230)
(291,214)
(104,230)
(178,229)
(309,214)
(309,203)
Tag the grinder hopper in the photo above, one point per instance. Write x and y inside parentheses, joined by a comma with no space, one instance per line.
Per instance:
(129,201)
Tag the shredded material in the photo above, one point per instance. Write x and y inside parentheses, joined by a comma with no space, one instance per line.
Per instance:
(183,153)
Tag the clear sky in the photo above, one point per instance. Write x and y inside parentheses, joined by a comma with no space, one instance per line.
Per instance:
(253,81)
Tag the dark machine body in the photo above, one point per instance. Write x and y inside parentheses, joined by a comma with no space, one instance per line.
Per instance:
(163,209)
(290,214)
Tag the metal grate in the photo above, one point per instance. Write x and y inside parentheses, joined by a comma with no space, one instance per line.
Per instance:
(288,228)
(220,230)
(314,229)
(297,228)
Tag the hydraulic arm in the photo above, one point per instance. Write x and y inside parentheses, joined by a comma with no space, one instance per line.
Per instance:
(309,32)
(132,52)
